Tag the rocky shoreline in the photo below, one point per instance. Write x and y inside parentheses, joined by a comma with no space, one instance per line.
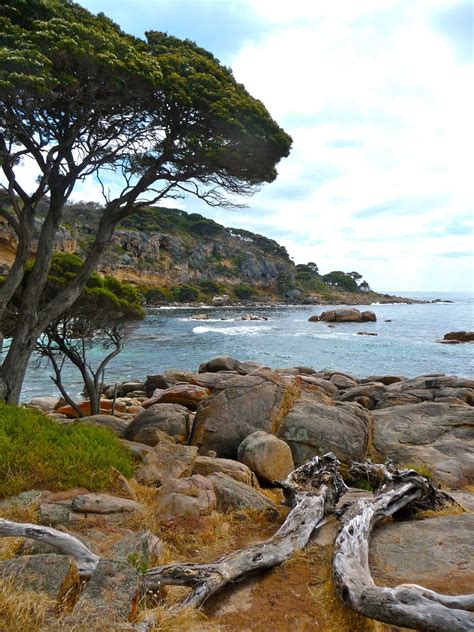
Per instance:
(209,447)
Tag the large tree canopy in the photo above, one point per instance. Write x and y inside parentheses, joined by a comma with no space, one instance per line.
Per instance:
(79,97)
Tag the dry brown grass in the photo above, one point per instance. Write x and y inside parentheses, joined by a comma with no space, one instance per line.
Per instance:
(181,620)
(333,614)
(18,512)
(22,610)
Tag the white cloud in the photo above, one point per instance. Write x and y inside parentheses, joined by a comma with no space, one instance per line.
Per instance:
(373,92)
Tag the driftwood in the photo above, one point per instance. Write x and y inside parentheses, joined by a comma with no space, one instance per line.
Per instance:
(85,560)
(407,605)
(312,491)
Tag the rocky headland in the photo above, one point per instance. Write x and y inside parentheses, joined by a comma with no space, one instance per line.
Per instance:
(176,257)
(209,447)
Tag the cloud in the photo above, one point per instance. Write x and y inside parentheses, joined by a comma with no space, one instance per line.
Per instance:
(457,24)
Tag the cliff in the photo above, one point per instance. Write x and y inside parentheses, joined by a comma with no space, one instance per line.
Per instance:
(177,256)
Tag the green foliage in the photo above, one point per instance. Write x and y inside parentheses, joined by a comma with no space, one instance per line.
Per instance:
(243,291)
(138,562)
(285,282)
(38,453)
(341,280)
(213,287)
(185,293)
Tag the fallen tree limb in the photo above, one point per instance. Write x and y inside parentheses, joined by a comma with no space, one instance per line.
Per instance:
(312,491)
(85,560)
(407,605)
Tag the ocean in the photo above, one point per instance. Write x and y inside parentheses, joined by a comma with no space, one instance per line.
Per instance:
(405,343)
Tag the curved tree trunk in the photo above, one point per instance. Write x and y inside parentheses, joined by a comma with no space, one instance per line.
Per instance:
(407,605)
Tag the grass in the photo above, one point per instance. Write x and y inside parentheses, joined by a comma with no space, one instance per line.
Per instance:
(39,453)
(22,610)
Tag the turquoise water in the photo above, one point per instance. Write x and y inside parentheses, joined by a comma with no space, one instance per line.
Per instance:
(405,346)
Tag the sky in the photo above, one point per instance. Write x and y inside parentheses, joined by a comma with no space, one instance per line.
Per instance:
(378,97)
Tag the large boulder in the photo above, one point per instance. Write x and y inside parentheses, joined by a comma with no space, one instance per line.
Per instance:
(244,404)
(173,419)
(168,460)
(435,435)
(349,315)
(266,455)
(209,465)
(232,494)
(103,504)
(311,428)
(143,545)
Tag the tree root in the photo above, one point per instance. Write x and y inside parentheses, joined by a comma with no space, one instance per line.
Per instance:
(407,605)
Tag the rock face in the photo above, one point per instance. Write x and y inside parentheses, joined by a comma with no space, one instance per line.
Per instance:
(311,428)
(437,435)
(232,494)
(168,460)
(350,315)
(436,553)
(243,404)
(267,456)
(173,419)
(144,545)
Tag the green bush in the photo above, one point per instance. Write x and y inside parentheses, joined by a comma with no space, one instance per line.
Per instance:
(39,453)
(212,287)
(186,293)
(243,291)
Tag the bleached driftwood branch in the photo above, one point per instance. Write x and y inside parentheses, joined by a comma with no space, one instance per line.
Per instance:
(312,491)
(407,605)
(85,560)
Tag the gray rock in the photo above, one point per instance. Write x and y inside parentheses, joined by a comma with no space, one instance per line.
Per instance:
(266,455)
(143,546)
(116,424)
(44,573)
(103,504)
(438,436)
(232,494)
(109,593)
(311,428)
(44,403)
(173,419)
(186,498)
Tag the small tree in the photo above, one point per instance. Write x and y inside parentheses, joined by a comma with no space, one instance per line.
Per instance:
(104,314)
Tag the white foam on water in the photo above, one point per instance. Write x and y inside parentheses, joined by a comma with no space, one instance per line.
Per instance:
(231,331)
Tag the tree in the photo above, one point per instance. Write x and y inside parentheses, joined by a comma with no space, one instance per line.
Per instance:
(78,98)
(104,314)
(340,279)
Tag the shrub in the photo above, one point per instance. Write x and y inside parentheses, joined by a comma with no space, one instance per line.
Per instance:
(38,453)
(186,293)
(243,291)
(212,287)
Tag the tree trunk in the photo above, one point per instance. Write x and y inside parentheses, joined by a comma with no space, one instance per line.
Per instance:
(407,605)
(15,364)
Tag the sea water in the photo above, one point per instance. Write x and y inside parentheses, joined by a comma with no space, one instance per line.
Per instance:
(405,343)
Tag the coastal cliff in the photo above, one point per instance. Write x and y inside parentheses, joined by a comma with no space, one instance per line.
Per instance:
(174,256)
